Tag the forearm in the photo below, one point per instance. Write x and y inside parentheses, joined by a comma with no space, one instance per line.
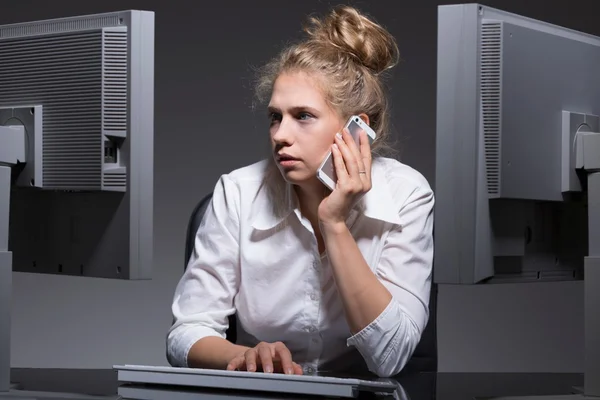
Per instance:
(213,352)
(364,297)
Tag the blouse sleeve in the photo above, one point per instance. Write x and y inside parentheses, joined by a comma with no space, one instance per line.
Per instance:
(405,268)
(203,298)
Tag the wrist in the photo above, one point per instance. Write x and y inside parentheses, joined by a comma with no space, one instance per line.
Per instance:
(236,350)
(213,352)
(333,227)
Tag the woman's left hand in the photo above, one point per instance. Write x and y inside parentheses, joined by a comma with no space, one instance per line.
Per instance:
(353,169)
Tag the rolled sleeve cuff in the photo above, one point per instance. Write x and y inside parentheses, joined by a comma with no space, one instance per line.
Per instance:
(181,341)
(412,307)
(375,327)
(385,336)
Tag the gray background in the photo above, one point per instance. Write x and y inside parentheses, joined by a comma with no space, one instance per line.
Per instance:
(204,59)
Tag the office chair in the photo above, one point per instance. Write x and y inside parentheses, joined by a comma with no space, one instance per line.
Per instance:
(424,359)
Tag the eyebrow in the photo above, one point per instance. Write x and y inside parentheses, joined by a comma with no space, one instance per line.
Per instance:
(272,109)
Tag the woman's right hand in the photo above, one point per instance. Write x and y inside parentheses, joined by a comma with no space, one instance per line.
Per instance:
(266,357)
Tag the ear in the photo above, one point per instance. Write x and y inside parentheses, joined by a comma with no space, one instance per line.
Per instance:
(364,117)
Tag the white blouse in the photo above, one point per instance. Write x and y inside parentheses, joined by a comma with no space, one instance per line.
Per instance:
(265,266)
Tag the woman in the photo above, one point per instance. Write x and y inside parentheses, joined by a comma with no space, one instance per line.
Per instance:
(318,279)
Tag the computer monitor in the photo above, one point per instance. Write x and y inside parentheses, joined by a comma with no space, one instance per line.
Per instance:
(517,147)
(76,151)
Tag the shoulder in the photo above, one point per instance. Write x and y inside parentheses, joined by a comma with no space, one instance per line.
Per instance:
(255,193)
(250,174)
(401,180)
(243,179)
(241,185)
(398,191)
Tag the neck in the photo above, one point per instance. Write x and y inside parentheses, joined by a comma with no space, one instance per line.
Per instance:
(310,196)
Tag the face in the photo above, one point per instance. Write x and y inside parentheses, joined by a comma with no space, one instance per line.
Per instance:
(302,127)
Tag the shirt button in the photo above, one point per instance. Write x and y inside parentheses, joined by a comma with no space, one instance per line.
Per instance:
(312,329)
(315,264)
(315,340)
(310,370)
(313,297)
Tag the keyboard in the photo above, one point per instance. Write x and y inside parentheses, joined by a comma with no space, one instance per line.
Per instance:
(251,381)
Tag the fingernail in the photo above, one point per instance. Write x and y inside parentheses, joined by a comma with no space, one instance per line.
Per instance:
(251,367)
(335,146)
(289,371)
(338,135)
(268,369)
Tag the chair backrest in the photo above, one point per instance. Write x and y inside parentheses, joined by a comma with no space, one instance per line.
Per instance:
(193,225)
(424,359)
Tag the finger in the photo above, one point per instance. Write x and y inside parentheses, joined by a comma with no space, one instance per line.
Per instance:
(285,358)
(348,157)
(297,369)
(250,359)
(236,364)
(338,163)
(365,152)
(353,146)
(266,358)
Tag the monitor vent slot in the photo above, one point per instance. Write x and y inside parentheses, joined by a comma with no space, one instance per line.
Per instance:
(114,82)
(59,26)
(114,181)
(491,100)
(61,72)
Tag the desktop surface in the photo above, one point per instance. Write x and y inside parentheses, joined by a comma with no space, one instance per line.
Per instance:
(451,386)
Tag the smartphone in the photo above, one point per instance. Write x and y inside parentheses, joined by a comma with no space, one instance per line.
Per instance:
(326,172)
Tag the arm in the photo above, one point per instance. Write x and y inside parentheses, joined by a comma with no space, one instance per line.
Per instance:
(204,296)
(213,352)
(363,295)
(387,310)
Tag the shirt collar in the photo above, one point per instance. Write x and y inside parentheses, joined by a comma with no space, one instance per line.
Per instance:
(266,210)
(377,203)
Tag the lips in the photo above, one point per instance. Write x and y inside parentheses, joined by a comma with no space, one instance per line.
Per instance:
(286,157)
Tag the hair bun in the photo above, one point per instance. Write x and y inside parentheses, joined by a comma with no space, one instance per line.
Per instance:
(349,31)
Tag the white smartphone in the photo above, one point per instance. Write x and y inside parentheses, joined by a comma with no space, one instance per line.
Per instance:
(326,172)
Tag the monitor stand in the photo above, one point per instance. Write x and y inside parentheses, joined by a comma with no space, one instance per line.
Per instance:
(10,390)
(591,387)
(591,284)
(5,280)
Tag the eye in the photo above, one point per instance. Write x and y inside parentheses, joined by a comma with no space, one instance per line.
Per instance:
(304,116)
(274,117)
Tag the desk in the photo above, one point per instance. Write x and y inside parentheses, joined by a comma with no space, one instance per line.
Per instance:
(427,386)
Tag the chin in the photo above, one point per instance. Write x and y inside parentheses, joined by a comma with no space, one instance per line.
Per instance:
(293,177)
(296,177)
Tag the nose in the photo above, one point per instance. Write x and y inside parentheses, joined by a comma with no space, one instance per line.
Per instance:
(282,133)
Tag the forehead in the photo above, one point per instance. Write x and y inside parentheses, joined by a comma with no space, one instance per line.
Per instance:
(291,89)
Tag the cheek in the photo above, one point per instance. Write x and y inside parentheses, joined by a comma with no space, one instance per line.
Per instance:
(317,150)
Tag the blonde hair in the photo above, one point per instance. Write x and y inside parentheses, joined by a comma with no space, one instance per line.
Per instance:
(350,53)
